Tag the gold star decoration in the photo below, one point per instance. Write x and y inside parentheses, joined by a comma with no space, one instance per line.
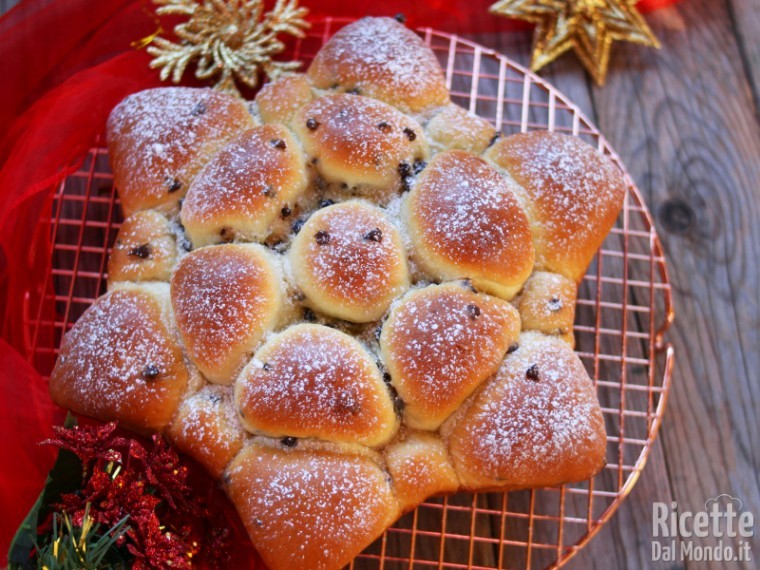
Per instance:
(587,26)
(230,40)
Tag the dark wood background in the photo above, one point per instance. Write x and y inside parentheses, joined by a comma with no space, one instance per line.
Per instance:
(685,122)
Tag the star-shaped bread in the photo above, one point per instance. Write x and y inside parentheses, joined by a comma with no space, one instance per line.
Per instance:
(587,26)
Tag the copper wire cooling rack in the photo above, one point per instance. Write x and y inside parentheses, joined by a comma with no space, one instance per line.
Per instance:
(624,308)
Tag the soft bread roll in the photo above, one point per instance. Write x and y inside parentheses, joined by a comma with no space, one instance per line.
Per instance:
(572,194)
(420,466)
(279,100)
(314,381)
(245,187)
(380,58)
(207,428)
(350,262)
(309,509)
(547,304)
(158,140)
(121,361)
(359,141)
(145,249)
(536,424)
(453,128)
(439,343)
(465,222)
(225,299)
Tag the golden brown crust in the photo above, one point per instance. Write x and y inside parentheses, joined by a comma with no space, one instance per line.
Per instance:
(453,128)
(121,361)
(280,99)
(359,141)
(311,509)
(547,304)
(572,192)
(245,187)
(440,343)
(158,140)
(536,424)
(420,466)
(380,58)
(225,299)
(207,429)
(350,262)
(145,249)
(465,222)
(315,382)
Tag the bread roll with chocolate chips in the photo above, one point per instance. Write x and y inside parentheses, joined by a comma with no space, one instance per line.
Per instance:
(314,381)
(121,361)
(245,187)
(279,100)
(359,142)
(380,58)
(145,249)
(207,428)
(350,262)
(453,128)
(439,343)
(537,423)
(547,304)
(420,466)
(572,194)
(225,299)
(307,508)
(158,140)
(465,222)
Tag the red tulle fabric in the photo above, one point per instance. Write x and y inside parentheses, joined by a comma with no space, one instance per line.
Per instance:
(63,67)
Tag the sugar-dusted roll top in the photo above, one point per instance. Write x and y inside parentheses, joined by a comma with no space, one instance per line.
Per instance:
(380,58)
(121,361)
(465,222)
(572,194)
(158,140)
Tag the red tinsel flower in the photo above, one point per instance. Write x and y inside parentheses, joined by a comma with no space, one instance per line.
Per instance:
(168,476)
(89,443)
(157,548)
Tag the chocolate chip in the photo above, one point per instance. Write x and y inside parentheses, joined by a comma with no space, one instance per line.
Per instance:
(213,398)
(404,170)
(151,372)
(532,373)
(278,143)
(410,134)
(400,18)
(265,366)
(199,109)
(322,237)
(142,251)
(386,377)
(378,332)
(308,315)
(173,184)
(285,212)
(493,140)
(375,235)
(227,234)
(419,166)
(554,304)
(384,127)
(513,347)
(473,311)
(354,91)
(326,202)
(468,284)
(297,225)
(270,192)
(289,441)
(312,124)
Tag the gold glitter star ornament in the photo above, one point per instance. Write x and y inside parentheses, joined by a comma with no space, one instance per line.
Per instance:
(587,26)
(230,40)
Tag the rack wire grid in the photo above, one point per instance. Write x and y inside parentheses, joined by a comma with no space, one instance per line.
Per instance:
(624,308)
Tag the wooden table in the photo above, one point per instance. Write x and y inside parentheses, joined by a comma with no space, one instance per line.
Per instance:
(685,122)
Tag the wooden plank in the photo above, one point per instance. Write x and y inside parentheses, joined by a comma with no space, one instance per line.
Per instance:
(745,16)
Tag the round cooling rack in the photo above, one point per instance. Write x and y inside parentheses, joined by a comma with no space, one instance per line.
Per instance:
(624,308)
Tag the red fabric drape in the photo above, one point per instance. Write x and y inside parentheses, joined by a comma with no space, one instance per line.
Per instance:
(63,66)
